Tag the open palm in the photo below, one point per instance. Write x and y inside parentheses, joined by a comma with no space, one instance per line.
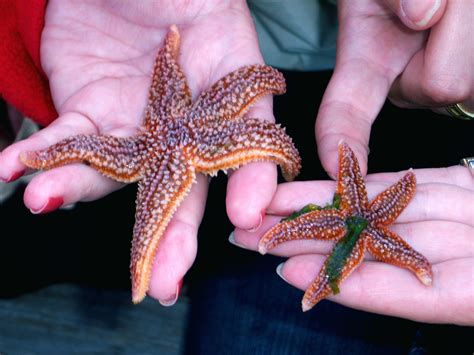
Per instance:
(438,223)
(98,57)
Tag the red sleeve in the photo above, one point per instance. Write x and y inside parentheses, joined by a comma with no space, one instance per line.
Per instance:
(22,81)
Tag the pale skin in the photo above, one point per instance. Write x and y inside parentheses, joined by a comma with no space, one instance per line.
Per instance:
(99,59)
(438,223)
(421,63)
(381,53)
(418,62)
(414,67)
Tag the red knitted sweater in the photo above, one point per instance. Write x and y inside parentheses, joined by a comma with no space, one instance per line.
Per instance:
(22,81)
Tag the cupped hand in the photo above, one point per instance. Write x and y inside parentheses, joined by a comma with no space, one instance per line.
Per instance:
(438,223)
(418,52)
(98,58)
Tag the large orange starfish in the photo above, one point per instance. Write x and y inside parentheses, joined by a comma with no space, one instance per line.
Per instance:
(178,139)
(356,225)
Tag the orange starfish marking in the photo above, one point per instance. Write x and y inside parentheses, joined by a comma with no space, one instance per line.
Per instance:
(179,139)
(356,225)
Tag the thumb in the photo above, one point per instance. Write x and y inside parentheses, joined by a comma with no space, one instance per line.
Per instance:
(352,100)
(372,50)
(418,14)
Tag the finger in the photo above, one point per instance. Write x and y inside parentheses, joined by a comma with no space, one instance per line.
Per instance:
(66,185)
(441,202)
(437,240)
(432,201)
(249,192)
(177,251)
(291,197)
(347,112)
(372,50)
(61,186)
(250,239)
(441,74)
(418,14)
(250,188)
(349,106)
(385,289)
(453,175)
(65,126)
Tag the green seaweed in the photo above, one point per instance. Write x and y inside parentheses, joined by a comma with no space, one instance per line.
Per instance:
(306,209)
(336,202)
(342,250)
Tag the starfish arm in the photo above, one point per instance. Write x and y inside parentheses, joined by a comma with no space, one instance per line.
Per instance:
(333,272)
(350,184)
(232,96)
(388,205)
(115,157)
(229,144)
(169,94)
(318,290)
(166,183)
(324,225)
(388,247)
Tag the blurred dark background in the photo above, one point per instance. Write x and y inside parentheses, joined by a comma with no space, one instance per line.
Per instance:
(89,246)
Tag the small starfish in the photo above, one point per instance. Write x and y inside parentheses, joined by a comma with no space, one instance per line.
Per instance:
(356,225)
(179,139)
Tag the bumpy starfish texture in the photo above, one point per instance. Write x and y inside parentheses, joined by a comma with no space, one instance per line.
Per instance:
(356,226)
(179,139)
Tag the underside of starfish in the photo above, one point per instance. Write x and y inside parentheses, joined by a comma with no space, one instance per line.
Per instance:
(179,139)
(356,226)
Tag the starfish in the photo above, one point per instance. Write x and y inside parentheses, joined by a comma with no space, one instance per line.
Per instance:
(178,139)
(356,226)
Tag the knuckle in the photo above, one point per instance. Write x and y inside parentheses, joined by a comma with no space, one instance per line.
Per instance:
(445,90)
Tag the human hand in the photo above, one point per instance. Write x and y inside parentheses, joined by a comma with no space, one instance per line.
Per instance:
(98,58)
(438,223)
(420,62)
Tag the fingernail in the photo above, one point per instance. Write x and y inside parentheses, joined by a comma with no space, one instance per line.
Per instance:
(254,229)
(13,177)
(278,271)
(172,300)
(52,204)
(420,12)
(232,241)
